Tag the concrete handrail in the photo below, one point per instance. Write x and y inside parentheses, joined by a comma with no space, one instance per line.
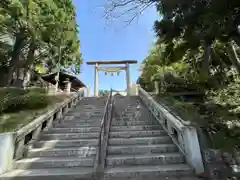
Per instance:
(15,144)
(183,133)
(103,136)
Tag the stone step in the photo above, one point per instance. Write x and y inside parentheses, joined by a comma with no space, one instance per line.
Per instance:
(84,124)
(129,113)
(145,159)
(66,143)
(135,128)
(89,108)
(132,111)
(78,116)
(128,134)
(75,125)
(134,122)
(81,120)
(133,118)
(95,98)
(142,149)
(83,151)
(159,177)
(82,110)
(74,130)
(141,140)
(44,163)
(83,173)
(161,171)
(69,117)
(85,103)
(94,102)
(86,113)
(127,107)
(65,136)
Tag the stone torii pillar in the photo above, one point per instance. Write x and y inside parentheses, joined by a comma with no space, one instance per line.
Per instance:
(96,80)
(128,78)
(98,68)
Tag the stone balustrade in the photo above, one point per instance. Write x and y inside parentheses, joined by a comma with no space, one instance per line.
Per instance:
(183,134)
(14,145)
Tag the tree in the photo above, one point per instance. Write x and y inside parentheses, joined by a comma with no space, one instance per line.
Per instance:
(201,23)
(38,29)
(103,92)
(199,43)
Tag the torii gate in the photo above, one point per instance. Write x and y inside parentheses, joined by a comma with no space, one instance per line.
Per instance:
(111,70)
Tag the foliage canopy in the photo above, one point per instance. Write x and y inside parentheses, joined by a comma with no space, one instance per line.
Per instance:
(37,32)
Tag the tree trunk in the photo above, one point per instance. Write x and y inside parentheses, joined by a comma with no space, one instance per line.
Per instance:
(27,76)
(15,58)
(233,55)
(219,59)
(17,81)
(3,78)
(29,64)
(206,58)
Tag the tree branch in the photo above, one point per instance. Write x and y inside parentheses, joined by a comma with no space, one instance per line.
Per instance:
(116,9)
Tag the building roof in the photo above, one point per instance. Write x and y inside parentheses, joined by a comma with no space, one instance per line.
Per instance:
(62,76)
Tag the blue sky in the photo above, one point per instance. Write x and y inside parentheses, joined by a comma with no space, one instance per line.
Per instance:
(113,42)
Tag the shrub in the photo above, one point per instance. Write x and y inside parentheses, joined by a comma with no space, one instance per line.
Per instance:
(15,99)
(11,92)
(37,90)
(35,101)
(9,96)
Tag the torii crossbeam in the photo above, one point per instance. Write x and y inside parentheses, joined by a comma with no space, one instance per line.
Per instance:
(111,69)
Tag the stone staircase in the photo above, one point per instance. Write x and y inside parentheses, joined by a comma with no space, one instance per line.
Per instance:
(139,148)
(68,150)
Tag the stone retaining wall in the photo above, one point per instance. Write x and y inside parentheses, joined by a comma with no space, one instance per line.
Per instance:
(221,165)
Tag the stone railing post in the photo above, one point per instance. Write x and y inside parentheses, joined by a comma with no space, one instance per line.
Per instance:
(49,123)
(59,114)
(6,151)
(19,149)
(192,149)
(35,136)
(36,133)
